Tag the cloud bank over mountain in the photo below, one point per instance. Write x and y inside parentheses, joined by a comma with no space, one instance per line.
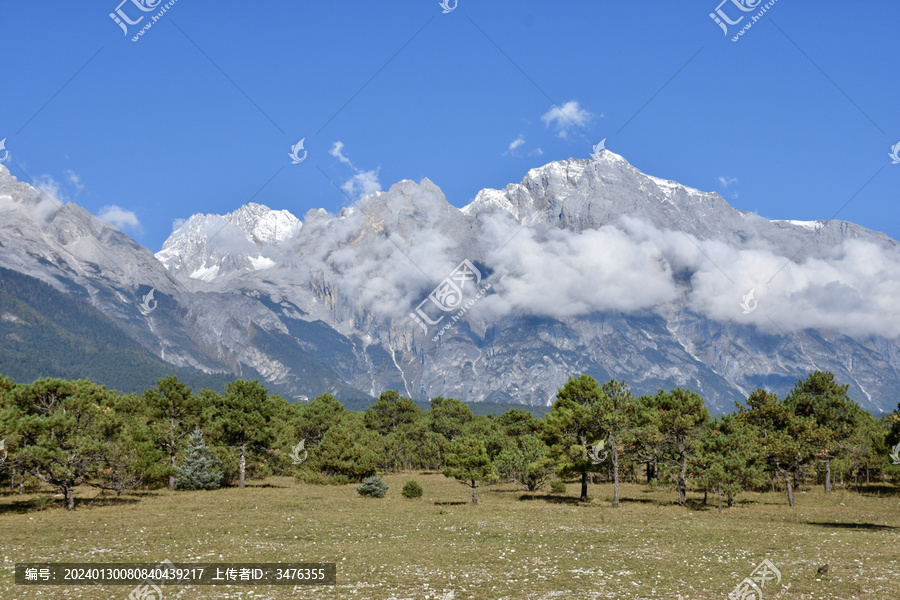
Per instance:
(390,249)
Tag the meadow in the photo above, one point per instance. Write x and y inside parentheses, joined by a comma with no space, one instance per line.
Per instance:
(513,545)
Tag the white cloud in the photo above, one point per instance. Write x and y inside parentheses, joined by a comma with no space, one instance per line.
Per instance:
(567,117)
(119,217)
(632,267)
(629,267)
(50,187)
(177,223)
(563,274)
(361,184)
(536,152)
(51,199)
(726,181)
(73,178)
(853,291)
(336,150)
(515,144)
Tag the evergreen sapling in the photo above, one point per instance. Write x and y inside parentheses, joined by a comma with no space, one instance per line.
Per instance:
(199,470)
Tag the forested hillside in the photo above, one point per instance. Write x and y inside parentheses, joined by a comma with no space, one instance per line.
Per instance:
(45,333)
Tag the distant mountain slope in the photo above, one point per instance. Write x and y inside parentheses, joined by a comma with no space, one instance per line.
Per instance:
(46,333)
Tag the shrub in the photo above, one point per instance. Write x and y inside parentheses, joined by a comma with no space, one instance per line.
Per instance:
(412,490)
(316,478)
(558,486)
(200,470)
(373,487)
(347,449)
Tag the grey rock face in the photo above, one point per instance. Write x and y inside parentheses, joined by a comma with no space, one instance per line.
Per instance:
(586,266)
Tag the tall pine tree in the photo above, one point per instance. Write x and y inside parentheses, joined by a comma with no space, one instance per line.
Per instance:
(821,398)
(241,420)
(571,427)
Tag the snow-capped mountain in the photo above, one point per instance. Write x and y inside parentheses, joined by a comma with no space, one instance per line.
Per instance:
(586,266)
(587,194)
(207,246)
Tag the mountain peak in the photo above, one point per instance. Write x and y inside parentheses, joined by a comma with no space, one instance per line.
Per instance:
(207,246)
(586,193)
(264,225)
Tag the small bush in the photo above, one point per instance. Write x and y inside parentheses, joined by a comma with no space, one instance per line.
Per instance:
(316,478)
(412,490)
(558,486)
(373,487)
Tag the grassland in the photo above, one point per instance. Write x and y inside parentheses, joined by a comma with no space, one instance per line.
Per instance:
(511,546)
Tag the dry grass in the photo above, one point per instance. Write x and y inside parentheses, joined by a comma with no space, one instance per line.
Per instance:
(510,546)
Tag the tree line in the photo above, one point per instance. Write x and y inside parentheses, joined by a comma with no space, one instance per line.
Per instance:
(71,433)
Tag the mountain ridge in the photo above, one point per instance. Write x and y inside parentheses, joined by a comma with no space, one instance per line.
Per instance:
(593,267)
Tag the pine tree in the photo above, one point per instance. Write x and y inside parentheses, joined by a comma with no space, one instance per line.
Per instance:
(682,417)
(616,415)
(412,490)
(729,458)
(316,418)
(199,470)
(820,397)
(790,441)
(468,462)
(571,428)
(172,409)
(526,460)
(373,487)
(348,450)
(63,432)
(242,420)
(448,417)
(647,443)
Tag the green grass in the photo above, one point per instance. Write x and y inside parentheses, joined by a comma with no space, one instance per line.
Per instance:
(511,545)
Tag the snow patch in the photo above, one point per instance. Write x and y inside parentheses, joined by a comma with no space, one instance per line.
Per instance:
(488,199)
(813,225)
(666,184)
(205,273)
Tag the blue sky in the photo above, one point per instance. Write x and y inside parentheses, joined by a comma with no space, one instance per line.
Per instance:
(795,120)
